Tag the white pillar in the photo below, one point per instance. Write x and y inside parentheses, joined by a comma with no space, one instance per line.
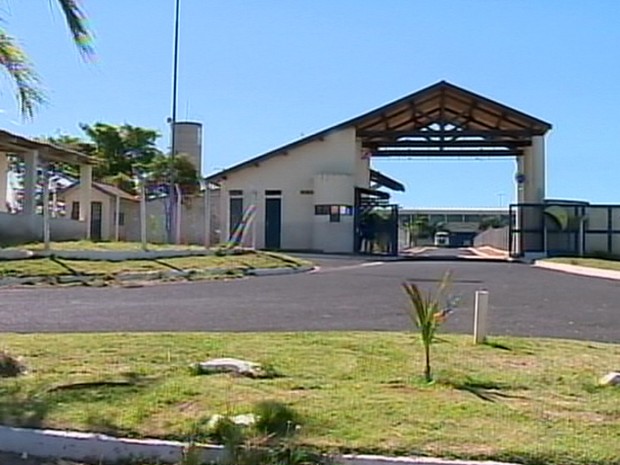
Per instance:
(533,167)
(532,191)
(117,218)
(31,161)
(4,170)
(86,185)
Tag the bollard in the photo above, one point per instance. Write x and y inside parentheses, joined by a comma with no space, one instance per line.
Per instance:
(481,310)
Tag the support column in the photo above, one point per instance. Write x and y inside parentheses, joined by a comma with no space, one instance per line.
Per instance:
(4,169)
(532,191)
(31,162)
(86,187)
(534,171)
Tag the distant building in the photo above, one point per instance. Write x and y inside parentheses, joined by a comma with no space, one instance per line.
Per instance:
(462,224)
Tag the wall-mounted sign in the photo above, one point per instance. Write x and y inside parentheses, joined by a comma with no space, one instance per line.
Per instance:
(520,178)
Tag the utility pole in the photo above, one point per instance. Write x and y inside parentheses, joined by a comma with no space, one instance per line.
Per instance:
(173,119)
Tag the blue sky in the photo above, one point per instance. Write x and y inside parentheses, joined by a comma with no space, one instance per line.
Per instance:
(259,74)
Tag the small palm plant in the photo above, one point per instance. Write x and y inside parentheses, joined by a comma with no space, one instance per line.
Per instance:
(428,311)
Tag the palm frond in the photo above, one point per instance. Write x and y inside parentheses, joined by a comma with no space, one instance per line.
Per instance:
(15,62)
(78,25)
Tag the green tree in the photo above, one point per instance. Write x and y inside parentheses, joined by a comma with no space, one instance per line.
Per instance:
(17,65)
(489,222)
(180,168)
(124,150)
(120,149)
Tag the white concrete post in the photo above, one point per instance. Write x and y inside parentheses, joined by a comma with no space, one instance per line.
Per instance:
(143,214)
(207,206)
(117,218)
(481,313)
(255,203)
(46,208)
(178,213)
(4,181)
(86,187)
(31,161)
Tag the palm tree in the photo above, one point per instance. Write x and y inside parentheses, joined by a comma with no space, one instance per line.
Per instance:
(19,68)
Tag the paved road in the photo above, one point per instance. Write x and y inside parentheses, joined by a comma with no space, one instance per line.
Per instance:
(346,293)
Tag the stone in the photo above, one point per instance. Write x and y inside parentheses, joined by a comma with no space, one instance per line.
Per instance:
(610,379)
(247,419)
(231,365)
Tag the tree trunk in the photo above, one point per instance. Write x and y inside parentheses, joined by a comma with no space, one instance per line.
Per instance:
(427,363)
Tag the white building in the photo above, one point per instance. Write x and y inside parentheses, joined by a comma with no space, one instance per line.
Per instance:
(313,194)
(26,225)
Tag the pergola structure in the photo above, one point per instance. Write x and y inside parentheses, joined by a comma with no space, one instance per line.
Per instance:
(36,154)
(444,120)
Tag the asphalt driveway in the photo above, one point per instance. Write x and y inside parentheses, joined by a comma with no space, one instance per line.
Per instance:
(345,294)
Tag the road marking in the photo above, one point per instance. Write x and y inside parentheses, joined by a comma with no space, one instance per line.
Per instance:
(318,269)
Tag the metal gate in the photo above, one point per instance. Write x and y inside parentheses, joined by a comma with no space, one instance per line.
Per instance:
(375,223)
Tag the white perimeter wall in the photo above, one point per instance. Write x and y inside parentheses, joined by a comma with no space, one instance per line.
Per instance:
(337,153)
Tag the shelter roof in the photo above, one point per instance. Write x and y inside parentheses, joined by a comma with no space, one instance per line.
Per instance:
(13,143)
(108,189)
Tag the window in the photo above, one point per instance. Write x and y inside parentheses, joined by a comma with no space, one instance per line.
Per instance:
(121,218)
(75,210)
(334,214)
(455,218)
(437,218)
(334,211)
(306,192)
(473,218)
(273,192)
(235,192)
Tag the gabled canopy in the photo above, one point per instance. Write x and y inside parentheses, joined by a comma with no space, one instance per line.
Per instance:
(440,120)
(446,104)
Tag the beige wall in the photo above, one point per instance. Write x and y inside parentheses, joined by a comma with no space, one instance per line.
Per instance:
(20,229)
(108,211)
(338,153)
(192,220)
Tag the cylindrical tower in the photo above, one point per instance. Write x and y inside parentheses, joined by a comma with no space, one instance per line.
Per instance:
(188,141)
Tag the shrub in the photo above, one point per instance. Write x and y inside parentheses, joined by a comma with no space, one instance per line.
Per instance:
(275,419)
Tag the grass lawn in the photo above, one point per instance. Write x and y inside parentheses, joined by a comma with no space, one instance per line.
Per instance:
(56,267)
(32,267)
(524,400)
(90,245)
(590,262)
(101,267)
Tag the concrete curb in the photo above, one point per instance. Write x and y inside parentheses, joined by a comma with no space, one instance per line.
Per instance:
(98,448)
(578,270)
(278,271)
(15,281)
(480,254)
